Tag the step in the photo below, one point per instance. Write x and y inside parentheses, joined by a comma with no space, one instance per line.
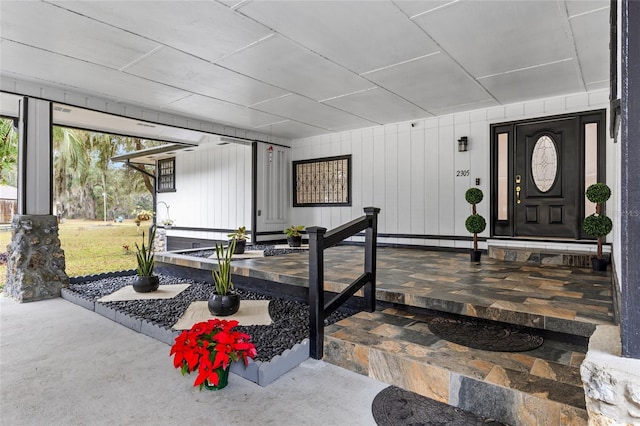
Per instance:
(542,255)
(538,387)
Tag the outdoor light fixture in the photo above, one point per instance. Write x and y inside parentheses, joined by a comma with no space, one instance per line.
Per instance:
(462,144)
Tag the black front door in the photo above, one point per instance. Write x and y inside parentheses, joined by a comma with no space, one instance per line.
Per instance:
(547,178)
(540,169)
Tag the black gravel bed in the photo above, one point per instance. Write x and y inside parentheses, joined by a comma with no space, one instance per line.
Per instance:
(290,319)
(269,250)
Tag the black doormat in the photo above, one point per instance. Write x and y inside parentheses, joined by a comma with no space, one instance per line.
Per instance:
(397,407)
(484,335)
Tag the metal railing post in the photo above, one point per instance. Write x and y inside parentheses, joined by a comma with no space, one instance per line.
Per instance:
(316,291)
(370,243)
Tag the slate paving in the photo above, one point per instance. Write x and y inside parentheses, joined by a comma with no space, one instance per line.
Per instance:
(557,298)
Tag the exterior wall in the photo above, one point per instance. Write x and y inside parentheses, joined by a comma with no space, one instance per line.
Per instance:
(409,169)
(213,190)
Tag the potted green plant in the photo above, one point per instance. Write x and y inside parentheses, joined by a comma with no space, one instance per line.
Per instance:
(210,347)
(240,235)
(475,223)
(146,281)
(294,237)
(224,302)
(598,224)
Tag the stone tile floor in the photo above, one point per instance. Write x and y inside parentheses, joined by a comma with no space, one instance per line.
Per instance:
(557,298)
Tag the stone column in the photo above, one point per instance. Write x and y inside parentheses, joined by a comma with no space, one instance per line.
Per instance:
(35,264)
(35,261)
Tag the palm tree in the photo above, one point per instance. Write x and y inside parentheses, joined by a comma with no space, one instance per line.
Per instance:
(71,164)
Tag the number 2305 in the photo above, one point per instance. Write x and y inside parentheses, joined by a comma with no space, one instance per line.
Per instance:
(461,173)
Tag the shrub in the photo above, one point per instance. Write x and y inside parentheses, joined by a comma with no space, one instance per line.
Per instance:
(475,224)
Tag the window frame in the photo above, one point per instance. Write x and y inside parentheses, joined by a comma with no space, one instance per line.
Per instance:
(302,163)
(160,175)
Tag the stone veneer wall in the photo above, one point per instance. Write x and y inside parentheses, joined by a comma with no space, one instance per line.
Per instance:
(611,383)
(160,242)
(35,261)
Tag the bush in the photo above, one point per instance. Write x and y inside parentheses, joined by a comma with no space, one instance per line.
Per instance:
(475,224)
(598,193)
(597,225)
(473,195)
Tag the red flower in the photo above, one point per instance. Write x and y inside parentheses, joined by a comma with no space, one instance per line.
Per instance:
(210,347)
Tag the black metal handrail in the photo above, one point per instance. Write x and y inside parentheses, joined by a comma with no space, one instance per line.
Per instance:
(319,240)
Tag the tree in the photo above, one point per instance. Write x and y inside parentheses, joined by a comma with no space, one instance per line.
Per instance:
(8,152)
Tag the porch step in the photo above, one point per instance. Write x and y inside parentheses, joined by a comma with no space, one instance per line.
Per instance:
(542,255)
(538,387)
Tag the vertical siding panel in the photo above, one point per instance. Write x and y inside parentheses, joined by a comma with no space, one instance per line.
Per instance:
(462,161)
(366,180)
(378,176)
(432,180)
(417,153)
(406,187)
(391,184)
(446,180)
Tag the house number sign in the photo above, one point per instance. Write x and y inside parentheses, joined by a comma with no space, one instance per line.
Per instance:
(462,173)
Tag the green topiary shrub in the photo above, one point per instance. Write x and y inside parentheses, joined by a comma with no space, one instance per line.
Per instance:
(475,224)
(598,193)
(598,224)
(473,195)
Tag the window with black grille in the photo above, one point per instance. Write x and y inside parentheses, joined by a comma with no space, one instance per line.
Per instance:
(167,175)
(322,182)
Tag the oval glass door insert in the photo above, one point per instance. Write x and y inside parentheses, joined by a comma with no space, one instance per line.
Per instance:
(544,163)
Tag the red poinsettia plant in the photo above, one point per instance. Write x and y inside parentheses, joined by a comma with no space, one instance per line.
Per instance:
(210,347)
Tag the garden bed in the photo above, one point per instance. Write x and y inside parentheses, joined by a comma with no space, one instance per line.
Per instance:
(280,346)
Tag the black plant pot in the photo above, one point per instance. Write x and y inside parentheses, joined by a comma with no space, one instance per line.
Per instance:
(295,241)
(240,246)
(146,284)
(224,305)
(475,255)
(599,265)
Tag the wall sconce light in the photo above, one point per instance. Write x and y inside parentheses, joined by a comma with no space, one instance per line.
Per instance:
(462,144)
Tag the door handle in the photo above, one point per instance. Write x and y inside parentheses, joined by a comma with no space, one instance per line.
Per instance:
(518,194)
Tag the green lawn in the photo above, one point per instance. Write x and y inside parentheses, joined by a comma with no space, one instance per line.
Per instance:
(92,247)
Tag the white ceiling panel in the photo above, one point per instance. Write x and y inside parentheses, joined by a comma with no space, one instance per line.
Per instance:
(32,63)
(578,7)
(433,82)
(208,109)
(346,32)
(490,37)
(178,69)
(378,105)
(302,68)
(592,37)
(317,114)
(204,28)
(285,64)
(551,80)
(54,29)
(412,8)
(291,130)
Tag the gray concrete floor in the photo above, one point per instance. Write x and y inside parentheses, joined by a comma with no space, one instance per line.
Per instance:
(61,364)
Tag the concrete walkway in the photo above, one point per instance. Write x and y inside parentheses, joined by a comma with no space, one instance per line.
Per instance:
(63,365)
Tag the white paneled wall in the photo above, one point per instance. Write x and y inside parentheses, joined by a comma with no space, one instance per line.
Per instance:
(213,190)
(409,169)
